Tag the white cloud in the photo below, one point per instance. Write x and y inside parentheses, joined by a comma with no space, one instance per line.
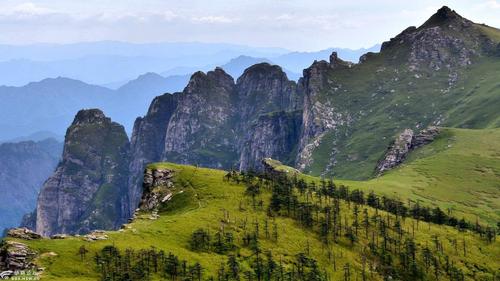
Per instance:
(30,8)
(213,19)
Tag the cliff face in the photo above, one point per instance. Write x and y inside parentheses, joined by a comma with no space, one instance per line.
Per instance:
(147,142)
(275,136)
(265,88)
(319,115)
(213,121)
(88,190)
(200,130)
(24,166)
(217,123)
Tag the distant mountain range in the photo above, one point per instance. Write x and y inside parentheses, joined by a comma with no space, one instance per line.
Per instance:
(111,63)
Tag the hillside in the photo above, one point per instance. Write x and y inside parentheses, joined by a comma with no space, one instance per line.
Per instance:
(208,202)
(442,73)
(459,171)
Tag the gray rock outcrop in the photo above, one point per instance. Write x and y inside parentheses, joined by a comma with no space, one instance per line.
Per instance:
(23,233)
(16,256)
(157,186)
(403,145)
(88,190)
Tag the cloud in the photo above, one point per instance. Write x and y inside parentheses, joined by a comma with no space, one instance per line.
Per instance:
(213,19)
(492,4)
(30,8)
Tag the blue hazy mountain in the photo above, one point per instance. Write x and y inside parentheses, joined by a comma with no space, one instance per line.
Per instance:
(24,166)
(108,61)
(46,108)
(113,63)
(297,61)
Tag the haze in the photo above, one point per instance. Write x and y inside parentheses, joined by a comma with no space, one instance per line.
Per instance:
(295,25)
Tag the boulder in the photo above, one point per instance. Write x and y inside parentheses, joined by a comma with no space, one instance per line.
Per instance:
(23,233)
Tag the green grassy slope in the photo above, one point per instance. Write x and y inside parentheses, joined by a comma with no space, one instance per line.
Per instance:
(459,171)
(200,200)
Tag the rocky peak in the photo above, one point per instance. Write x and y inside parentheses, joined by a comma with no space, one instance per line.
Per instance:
(336,62)
(265,88)
(201,82)
(202,120)
(88,190)
(89,116)
(445,16)
(445,41)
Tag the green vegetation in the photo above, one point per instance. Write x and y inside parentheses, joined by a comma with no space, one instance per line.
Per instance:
(252,211)
(383,95)
(459,172)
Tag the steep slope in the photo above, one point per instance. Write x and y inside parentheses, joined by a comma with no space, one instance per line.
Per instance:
(206,204)
(88,190)
(210,121)
(270,108)
(24,166)
(441,73)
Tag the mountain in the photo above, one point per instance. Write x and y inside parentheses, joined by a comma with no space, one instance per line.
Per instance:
(88,188)
(441,73)
(107,61)
(338,119)
(49,105)
(419,202)
(24,166)
(236,66)
(37,136)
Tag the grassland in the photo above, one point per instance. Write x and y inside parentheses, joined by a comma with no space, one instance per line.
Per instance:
(202,197)
(460,171)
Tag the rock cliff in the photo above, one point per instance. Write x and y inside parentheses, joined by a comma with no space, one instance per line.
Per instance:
(157,186)
(274,135)
(148,141)
(88,190)
(201,129)
(319,115)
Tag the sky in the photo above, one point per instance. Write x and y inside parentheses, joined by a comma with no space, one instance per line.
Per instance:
(292,24)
